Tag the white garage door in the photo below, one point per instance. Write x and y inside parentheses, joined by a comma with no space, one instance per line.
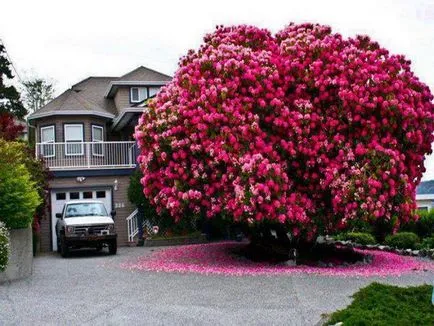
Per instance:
(59,197)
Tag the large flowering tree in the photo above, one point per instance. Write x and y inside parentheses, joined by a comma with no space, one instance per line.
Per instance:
(304,128)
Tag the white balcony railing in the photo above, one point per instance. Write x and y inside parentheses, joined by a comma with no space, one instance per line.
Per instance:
(87,155)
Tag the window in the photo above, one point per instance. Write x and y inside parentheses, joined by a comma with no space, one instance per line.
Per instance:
(60,196)
(85,209)
(153,90)
(74,195)
(97,137)
(138,94)
(47,140)
(100,194)
(74,139)
(422,208)
(87,195)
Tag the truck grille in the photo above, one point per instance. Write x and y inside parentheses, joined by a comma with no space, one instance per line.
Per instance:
(89,230)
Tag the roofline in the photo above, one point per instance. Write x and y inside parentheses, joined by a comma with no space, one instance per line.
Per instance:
(147,68)
(125,111)
(90,77)
(113,84)
(70,112)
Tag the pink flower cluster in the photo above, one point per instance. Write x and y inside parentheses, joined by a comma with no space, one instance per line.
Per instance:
(305,128)
(216,258)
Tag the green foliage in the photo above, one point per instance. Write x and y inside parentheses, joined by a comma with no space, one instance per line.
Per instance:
(384,305)
(403,240)
(135,190)
(9,95)
(427,243)
(4,247)
(19,196)
(424,227)
(359,237)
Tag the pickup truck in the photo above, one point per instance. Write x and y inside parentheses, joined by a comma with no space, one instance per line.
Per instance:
(85,224)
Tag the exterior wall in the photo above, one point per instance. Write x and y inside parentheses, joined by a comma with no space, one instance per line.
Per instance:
(59,122)
(122,98)
(425,203)
(20,263)
(120,203)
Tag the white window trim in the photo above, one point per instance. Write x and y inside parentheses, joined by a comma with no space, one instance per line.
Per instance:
(97,141)
(48,142)
(131,95)
(74,142)
(140,91)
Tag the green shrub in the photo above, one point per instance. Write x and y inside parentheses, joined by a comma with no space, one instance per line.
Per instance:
(427,243)
(402,240)
(4,247)
(359,237)
(19,196)
(385,305)
(424,226)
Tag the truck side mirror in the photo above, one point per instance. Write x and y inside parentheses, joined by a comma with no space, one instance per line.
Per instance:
(113,214)
(58,215)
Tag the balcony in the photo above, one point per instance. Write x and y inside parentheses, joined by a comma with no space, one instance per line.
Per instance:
(88,155)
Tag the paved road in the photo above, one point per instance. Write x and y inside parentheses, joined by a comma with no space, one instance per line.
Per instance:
(91,289)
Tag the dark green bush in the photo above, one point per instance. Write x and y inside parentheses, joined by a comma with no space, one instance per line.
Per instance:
(359,237)
(386,305)
(424,227)
(4,247)
(427,243)
(403,240)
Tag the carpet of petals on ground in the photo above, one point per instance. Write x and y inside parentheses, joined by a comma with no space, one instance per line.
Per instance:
(217,258)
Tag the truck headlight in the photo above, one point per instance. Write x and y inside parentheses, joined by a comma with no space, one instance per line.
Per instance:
(111,227)
(70,229)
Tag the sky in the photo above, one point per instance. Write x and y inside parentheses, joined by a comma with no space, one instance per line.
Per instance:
(67,41)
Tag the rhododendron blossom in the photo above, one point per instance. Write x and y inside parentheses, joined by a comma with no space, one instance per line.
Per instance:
(305,128)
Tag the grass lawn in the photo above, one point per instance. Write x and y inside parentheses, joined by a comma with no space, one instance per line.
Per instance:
(379,304)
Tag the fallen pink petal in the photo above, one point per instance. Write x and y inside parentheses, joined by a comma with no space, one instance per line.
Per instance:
(216,258)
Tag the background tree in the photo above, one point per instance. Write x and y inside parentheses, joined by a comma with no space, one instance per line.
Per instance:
(37,93)
(9,128)
(9,96)
(303,129)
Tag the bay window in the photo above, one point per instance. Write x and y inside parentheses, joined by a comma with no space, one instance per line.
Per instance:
(47,140)
(73,139)
(97,137)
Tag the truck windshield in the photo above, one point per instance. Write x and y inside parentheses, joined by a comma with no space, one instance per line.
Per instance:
(85,209)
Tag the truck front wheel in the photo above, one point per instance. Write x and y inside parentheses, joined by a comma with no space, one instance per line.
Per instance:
(113,247)
(64,250)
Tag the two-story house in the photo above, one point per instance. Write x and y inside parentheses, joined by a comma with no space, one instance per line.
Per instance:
(85,136)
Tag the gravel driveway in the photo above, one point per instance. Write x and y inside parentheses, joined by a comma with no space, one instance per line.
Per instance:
(91,289)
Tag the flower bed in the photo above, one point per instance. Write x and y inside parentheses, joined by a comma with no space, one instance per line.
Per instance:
(217,258)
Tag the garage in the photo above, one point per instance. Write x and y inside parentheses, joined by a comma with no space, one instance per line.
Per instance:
(60,196)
